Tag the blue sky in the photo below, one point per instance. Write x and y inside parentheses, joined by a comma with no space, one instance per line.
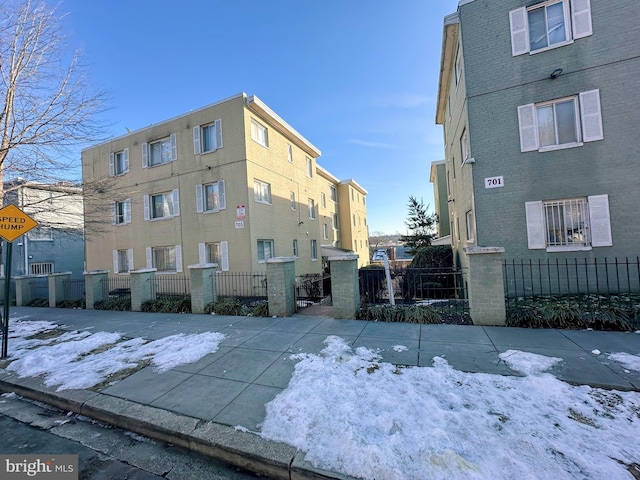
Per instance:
(357,78)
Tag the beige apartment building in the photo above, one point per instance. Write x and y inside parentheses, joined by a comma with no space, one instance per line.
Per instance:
(231,183)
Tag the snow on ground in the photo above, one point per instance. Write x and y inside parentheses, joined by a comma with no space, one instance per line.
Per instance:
(632,362)
(67,360)
(354,414)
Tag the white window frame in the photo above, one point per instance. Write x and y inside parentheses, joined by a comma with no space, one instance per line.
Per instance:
(323,200)
(289,153)
(200,134)
(261,192)
(588,121)
(314,249)
(333,193)
(121,212)
(172,200)
(325,231)
(175,250)
(41,268)
(465,146)
(202,195)
(470,224)
(309,167)
(41,234)
(295,247)
(171,145)
(597,233)
(292,198)
(263,255)
(458,68)
(312,209)
(205,250)
(119,163)
(122,261)
(577,24)
(259,133)
(335,221)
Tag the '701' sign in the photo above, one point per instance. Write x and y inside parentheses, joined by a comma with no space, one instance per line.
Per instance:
(494,182)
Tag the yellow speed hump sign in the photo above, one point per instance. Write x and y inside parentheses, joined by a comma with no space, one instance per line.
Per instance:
(14,223)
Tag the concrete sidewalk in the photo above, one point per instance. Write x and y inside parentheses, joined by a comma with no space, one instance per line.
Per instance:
(201,405)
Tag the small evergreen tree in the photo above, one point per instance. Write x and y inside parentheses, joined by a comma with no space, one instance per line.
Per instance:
(420,223)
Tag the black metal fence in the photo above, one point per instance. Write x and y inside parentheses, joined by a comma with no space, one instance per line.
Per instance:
(117,287)
(74,289)
(310,289)
(246,285)
(167,286)
(39,288)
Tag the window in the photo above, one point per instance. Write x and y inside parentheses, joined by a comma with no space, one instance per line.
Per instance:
(162,205)
(314,250)
(312,209)
(323,200)
(335,221)
(121,212)
(262,192)
(289,153)
(325,231)
(333,193)
(215,252)
(470,226)
(119,162)
(292,197)
(41,268)
(265,250)
(41,234)
(569,224)
(159,152)
(309,168)
(295,248)
(207,138)
(354,219)
(458,68)
(259,133)
(549,25)
(210,197)
(165,259)
(122,261)
(561,123)
(464,145)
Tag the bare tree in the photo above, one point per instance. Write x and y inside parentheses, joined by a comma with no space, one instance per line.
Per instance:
(49,108)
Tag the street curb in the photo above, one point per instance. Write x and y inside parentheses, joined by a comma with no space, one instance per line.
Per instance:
(241,449)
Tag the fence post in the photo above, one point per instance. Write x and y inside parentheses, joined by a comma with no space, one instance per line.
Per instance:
(56,287)
(142,287)
(95,289)
(203,285)
(345,286)
(23,290)
(281,286)
(486,285)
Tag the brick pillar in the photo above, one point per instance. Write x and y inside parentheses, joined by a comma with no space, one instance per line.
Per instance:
(23,290)
(56,287)
(345,287)
(96,287)
(281,285)
(486,285)
(143,287)
(203,285)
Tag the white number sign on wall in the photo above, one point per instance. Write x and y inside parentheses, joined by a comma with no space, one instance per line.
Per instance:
(494,182)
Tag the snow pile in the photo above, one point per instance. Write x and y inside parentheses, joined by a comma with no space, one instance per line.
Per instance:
(354,414)
(632,362)
(82,359)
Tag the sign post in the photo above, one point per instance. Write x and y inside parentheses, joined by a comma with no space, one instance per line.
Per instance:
(13,224)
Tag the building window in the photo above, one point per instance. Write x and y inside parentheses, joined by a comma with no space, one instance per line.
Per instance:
(323,200)
(207,138)
(292,197)
(295,248)
(41,268)
(41,234)
(458,68)
(354,219)
(164,259)
(210,197)
(262,192)
(569,224)
(325,231)
(333,193)
(162,205)
(259,133)
(214,253)
(159,152)
(265,250)
(119,162)
(289,153)
(309,168)
(123,261)
(470,226)
(464,145)
(561,123)
(314,250)
(335,221)
(121,213)
(353,195)
(312,209)
(549,25)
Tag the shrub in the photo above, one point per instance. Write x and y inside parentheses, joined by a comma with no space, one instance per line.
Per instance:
(233,306)
(39,302)
(433,256)
(169,304)
(72,304)
(399,313)
(118,303)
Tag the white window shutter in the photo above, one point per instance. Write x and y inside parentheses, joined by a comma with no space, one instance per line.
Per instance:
(115,261)
(178,258)
(223,199)
(600,221)
(149,258)
(130,259)
(202,253)
(218,133)
(196,140)
(581,18)
(174,147)
(144,150)
(535,225)
(112,164)
(147,215)
(591,116)
(199,201)
(125,155)
(127,210)
(528,124)
(224,256)
(175,200)
(113,213)
(518,20)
